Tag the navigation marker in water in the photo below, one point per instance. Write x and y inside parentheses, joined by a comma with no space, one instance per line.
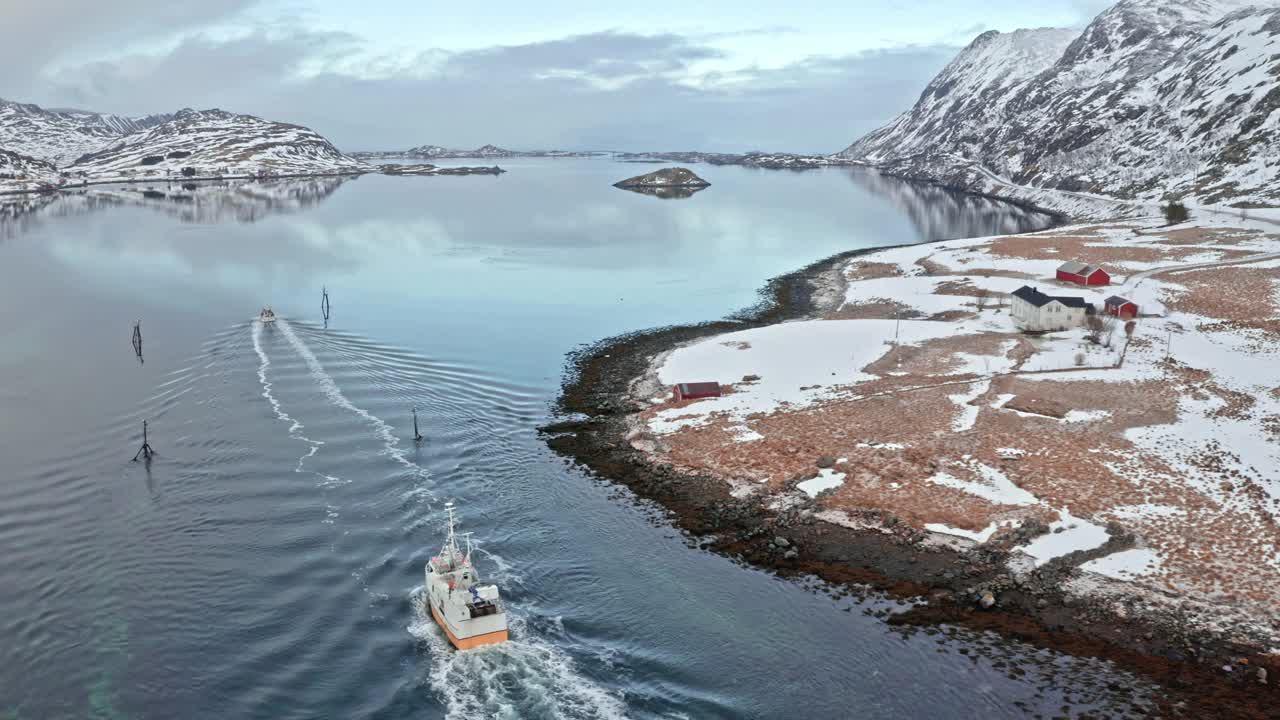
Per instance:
(137,340)
(417,436)
(145,451)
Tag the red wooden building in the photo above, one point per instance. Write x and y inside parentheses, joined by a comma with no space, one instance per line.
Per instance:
(1120,307)
(1081,274)
(693,391)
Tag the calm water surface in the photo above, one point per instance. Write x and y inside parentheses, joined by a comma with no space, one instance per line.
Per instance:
(267,563)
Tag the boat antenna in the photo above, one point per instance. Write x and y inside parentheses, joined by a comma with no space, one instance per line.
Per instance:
(450,543)
(466,560)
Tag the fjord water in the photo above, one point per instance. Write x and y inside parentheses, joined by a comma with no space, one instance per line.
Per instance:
(266,564)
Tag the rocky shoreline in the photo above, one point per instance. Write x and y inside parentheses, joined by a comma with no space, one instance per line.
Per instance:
(1205,671)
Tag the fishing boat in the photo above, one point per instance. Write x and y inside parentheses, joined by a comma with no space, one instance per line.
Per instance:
(266,316)
(470,613)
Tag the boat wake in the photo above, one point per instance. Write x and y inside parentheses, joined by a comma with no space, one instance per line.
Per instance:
(390,443)
(525,677)
(295,427)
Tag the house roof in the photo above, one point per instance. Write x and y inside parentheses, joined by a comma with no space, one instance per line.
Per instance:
(1032,295)
(1079,268)
(1117,300)
(1039,299)
(699,388)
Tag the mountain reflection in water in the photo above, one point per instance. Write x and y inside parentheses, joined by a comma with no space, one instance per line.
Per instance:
(940,213)
(190,202)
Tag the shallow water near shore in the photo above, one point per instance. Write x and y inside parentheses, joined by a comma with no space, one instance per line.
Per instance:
(268,562)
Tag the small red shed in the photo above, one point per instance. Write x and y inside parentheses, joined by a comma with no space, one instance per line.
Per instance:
(1081,274)
(1120,307)
(694,391)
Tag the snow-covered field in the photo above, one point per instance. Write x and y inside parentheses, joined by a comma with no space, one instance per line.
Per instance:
(957,423)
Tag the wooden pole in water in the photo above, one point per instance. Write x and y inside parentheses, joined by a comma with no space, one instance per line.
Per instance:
(145,451)
(417,436)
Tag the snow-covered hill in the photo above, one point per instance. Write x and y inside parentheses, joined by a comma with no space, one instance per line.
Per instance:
(73,147)
(1155,98)
(61,136)
(20,173)
(206,143)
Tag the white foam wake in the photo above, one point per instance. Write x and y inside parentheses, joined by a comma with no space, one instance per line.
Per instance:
(295,427)
(390,443)
(523,677)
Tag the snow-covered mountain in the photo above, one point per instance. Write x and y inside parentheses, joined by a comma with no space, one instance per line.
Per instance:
(48,148)
(61,136)
(217,143)
(1155,98)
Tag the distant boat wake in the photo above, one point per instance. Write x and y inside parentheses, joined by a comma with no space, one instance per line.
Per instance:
(295,427)
(390,443)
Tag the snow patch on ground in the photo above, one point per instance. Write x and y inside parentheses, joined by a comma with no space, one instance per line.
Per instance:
(1126,564)
(826,480)
(1066,535)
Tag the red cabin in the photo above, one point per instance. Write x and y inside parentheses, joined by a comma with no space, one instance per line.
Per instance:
(1120,307)
(1081,274)
(694,391)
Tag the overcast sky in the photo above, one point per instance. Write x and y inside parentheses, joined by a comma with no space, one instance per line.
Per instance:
(386,74)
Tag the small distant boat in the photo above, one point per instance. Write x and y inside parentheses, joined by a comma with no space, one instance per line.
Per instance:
(470,613)
(266,316)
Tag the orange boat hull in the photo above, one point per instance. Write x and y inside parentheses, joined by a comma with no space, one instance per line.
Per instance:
(492,638)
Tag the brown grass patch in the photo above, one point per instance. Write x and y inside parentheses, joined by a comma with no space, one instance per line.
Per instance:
(877,309)
(1238,297)
(1200,236)
(935,360)
(1086,248)
(863,270)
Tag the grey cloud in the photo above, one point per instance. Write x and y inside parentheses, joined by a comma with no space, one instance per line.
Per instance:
(609,54)
(611,90)
(34,33)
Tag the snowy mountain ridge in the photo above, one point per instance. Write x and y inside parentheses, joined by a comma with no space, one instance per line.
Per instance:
(218,143)
(46,149)
(61,136)
(1155,98)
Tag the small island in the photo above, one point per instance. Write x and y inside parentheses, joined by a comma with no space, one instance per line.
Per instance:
(426,169)
(676,182)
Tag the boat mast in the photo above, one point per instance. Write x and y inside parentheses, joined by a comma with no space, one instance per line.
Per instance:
(450,544)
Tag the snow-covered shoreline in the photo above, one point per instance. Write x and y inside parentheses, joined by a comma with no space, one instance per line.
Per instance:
(907,340)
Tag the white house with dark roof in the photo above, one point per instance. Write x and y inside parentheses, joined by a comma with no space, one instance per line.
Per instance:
(1035,311)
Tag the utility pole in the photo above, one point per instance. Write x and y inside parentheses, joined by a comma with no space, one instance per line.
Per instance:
(137,339)
(145,451)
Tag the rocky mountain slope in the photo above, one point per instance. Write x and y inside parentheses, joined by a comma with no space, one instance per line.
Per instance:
(43,149)
(22,173)
(217,143)
(1155,98)
(62,136)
